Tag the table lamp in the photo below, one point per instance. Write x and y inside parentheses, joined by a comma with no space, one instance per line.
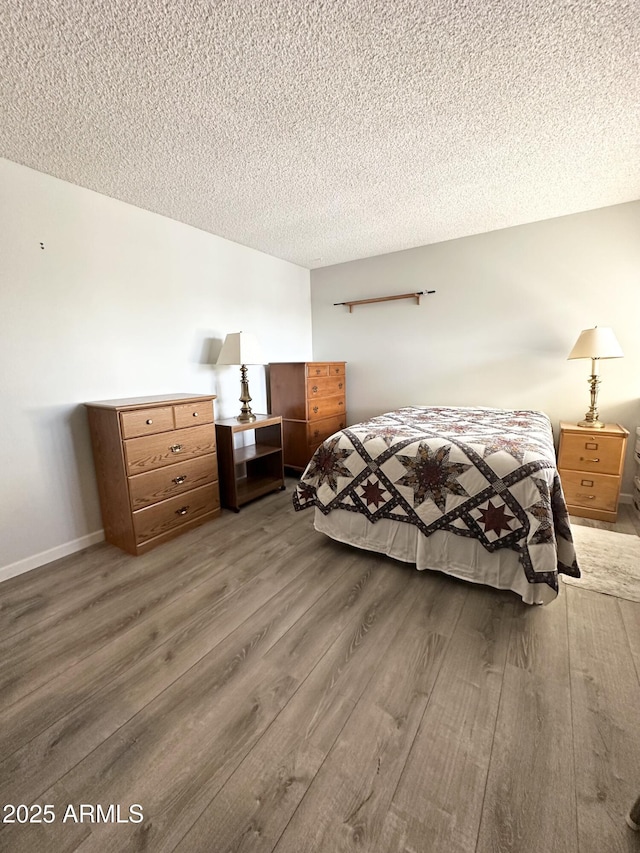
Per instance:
(596,343)
(242,348)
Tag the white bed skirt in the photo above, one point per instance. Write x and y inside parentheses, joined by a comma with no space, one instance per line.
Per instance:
(458,556)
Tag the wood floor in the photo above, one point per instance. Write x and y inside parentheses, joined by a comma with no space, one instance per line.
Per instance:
(253,686)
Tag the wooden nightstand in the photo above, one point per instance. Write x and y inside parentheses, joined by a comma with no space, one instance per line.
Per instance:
(590,463)
(252,470)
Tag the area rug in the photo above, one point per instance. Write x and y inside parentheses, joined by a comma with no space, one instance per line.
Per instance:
(609,562)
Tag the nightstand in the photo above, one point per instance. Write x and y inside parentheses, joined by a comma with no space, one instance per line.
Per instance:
(250,470)
(590,463)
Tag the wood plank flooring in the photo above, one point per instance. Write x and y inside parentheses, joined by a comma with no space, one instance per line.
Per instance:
(254,686)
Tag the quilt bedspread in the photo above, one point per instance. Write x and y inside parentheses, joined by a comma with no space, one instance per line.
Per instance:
(489,474)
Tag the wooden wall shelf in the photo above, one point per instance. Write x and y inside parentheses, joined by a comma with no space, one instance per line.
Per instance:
(415,295)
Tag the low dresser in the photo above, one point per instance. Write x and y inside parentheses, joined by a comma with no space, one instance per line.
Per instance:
(156,467)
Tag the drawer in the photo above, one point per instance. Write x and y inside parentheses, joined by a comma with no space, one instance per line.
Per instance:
(317,431)
(159,518)
(154,486)
(590,452)
(325,368)
(591,491)
(316,368)
(192,414)
(325,407)
(156,451)
(325,386)
(146,421)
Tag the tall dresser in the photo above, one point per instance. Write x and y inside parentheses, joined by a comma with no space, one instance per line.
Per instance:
(311,397)
(156,467)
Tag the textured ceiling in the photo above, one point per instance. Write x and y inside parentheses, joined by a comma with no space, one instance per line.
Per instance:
(326,130)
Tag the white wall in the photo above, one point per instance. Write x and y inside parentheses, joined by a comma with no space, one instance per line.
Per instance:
(119,303)
(508,307)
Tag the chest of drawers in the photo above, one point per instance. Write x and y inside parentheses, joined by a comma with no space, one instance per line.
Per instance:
(311,397)
(156,467)
(590,463)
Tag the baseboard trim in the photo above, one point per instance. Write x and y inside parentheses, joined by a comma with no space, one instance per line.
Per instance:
(44,557)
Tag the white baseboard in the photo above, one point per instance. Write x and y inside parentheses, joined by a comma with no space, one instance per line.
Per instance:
(49,556)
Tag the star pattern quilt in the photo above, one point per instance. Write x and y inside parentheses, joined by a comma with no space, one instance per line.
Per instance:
(481,473)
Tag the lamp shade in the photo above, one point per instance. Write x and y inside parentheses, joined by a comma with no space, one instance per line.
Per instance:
(599,342)
(240,348)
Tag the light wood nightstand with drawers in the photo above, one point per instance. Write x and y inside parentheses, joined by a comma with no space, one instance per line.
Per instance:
(590,462)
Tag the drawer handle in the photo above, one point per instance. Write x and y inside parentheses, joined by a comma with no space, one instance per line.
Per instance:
(316,433)
(586,497)
(315,410)
(318,371)
(341,403)
(182,511)
(314,390)
(195,414)
(175,448)
(340,384)
(585,459)
(179,480)
(149,421)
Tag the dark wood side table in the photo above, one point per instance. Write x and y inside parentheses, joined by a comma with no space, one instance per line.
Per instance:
(249,471)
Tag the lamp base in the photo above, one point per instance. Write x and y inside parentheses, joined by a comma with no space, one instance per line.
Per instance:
(591,424)
(591,419)
(246,416)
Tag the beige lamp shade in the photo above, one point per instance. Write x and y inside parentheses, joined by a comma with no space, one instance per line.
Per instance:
(599,342)
(241,348)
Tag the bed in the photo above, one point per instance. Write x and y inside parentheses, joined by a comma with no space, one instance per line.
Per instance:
(472,492)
